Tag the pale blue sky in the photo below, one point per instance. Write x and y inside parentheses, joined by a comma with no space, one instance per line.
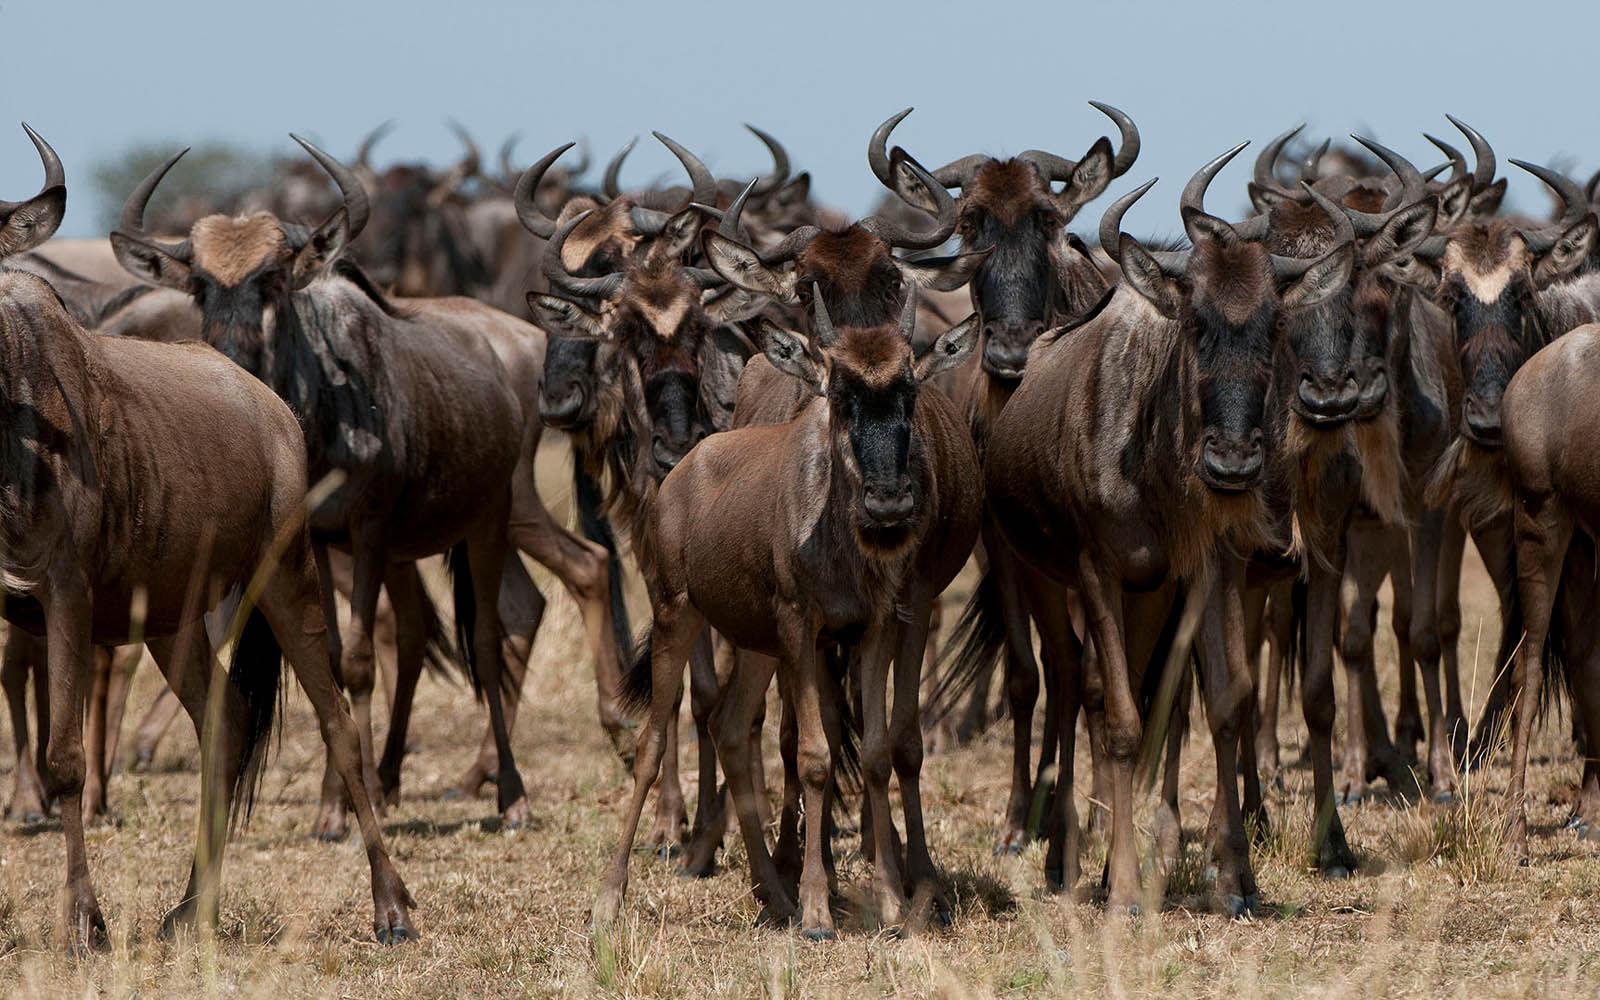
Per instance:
(984,76)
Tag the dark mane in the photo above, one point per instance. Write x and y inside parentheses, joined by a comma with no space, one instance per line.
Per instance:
(117,303)
(349,270)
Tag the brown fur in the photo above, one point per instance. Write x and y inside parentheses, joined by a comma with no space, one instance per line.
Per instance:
(1007,190)
(1233,278)
(232,249)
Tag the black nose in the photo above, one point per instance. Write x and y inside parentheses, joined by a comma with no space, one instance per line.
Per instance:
(1005,345)
(1482,418)
(1329,397)
(562,407)
(1232,462)
(888,506)
(666,458)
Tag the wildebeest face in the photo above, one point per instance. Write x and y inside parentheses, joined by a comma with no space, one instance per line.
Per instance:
(1488,282)
(567,396)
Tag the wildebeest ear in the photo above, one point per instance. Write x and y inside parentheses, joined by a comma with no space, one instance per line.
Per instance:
(1487,202)
(149,262)
(1454,200)
(1200,225)
(1412,271)
(907,186)
(1326,275)
(1567,253)
(1266,199)
(1089,178)
(952,348)
(790,354)
(1406,229)
(33,221)
(796,192)
(722,359)
(943,274)
(567,317)
(743,268)
(1144,276)
(324,245)
(732,305)
(678,235)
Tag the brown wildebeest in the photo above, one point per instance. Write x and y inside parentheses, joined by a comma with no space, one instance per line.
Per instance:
(1037,276)
(426,408)
(1549,434)
(117,522)
(1133,461)
(817,526)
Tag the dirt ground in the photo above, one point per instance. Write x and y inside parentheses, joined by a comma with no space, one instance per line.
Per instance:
(1434,909)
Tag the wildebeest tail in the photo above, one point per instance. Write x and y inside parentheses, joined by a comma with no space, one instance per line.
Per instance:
(638,684)
(592,522)
(1161,696)
(847,767)
(255,673)
(441,655)
(466,601)
(1295,646)
(974,645)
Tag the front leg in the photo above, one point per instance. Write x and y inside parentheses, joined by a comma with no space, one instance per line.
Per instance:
(357,669)
(813,761)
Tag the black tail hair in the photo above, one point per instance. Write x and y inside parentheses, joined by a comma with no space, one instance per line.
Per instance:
(466,602)
(592,522)
(441,656)
(1295,648)
(255,672)
(847,769)
(638,684)
(973,647)
(1152,751)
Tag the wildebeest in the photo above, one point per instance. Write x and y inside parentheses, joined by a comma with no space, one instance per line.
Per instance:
(118,522)
(1132,463)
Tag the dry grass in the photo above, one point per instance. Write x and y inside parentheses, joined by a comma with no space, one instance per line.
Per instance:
(1435,910)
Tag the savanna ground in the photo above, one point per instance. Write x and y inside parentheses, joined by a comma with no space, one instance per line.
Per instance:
(1434,910)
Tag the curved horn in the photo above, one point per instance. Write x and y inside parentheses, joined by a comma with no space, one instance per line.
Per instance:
(508,168)
(608,182)
(1574,206)
(1314,160)
(1194,192)
(1458,163)
(556,271)
(1128,142)
(819,315)
(908,311)
(132,220)
(527,207)
(1592,189)
(582,166)
(1412,188)
(705,277)
(878,149)
(780,163)
(355,196)
(1172,262)
(944,222)
(1265,172)
(791,247)
(1483,165)
(54,175)
(703,186)
(364,151)
(730,225)
(648,221)
(1343,230)
(472,160)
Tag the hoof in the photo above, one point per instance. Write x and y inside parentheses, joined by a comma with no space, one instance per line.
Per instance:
(1055,879)
(1239,907)
(395,935)
(1588,831)
(517,816)
(1336,873)
(1122,909)
(697,871)
(452,793)
(142,759)
(1443,798)
(819,934)
(330,836)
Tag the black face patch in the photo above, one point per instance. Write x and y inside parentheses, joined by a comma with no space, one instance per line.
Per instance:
(567,396)
(879,422)
(1235,369)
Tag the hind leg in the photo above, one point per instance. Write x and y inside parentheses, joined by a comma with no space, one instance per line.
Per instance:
(1226,680)
(710,812)
(521,610)
(737,733)
(152,727)
(358,672)
(123,664)
(291,606)
(27,794)
(1443,729)
(1022,688)
(404,586)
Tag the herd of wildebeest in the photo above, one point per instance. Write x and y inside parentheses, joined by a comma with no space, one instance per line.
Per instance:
(1164,457)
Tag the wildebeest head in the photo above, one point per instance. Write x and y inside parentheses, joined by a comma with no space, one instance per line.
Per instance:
(854,268)
(240,270)
(1008,208)
(870,379)
(26,224)
(656,337)
(1229,295)
(1490,273)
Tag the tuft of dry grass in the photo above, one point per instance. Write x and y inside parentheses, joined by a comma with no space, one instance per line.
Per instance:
(1435,909)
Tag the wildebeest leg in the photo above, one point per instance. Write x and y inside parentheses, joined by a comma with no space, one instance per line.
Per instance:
(1404,619)
(1104,605)
(673,630)
(486,556)
(905,735)
(157,719)
(1277,626)
(1495,544)
(710,811)
(94,735)
(786,853)
(68,617)
(1063,654)
(585,570)
(124,661)
(671,825)
(403,584)
(877,649)
(1578,600)
(814,762)
(27,794)
(733,726)
(1226,679)
(1022,690)
(1447,606)
(1167,826)
(188,663)
(1334,858)
(1365,566)
(1426,557)
(357,672)
(292,609)
(1094,719)
(1543,535)
(521,610)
